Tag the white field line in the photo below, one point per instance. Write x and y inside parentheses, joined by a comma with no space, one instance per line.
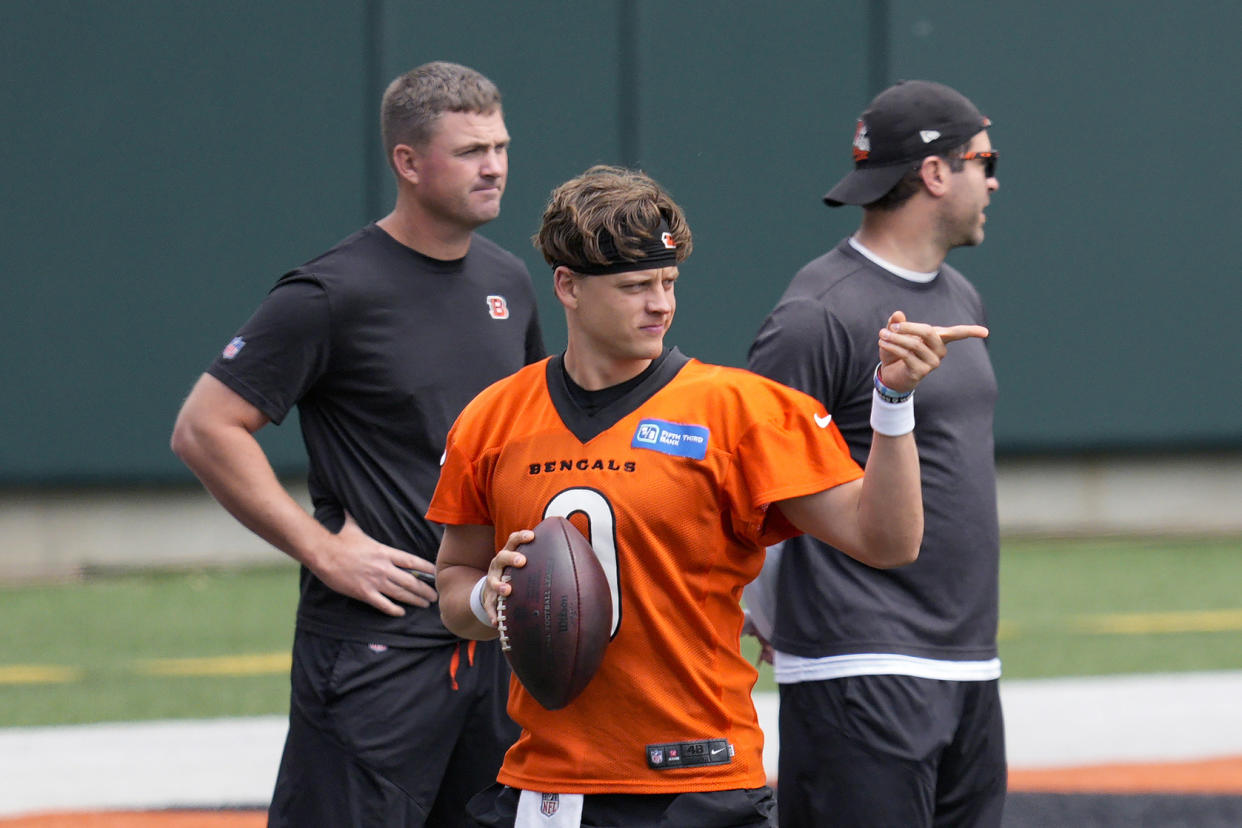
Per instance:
(218,762)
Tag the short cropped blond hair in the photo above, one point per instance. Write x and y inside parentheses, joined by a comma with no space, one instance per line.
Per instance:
(414,101)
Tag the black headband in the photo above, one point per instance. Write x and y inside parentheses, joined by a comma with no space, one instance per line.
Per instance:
(656,251)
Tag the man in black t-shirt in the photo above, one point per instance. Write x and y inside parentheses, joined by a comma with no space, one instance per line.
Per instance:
(379,342)
(890,712)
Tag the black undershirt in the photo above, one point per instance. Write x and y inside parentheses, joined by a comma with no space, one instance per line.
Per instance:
(590,402)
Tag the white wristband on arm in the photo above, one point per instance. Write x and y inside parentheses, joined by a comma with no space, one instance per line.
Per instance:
(889,418)
(476,602)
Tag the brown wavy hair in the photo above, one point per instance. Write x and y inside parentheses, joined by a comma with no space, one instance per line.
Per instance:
(622,203)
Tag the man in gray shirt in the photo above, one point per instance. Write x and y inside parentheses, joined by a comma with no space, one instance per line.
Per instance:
(890,713)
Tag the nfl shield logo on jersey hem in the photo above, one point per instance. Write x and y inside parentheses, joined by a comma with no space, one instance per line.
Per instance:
(548,810)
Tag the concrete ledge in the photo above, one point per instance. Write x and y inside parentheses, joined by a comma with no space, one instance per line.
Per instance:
(1192,494)
(55,534)
(69,533)
(1067,723)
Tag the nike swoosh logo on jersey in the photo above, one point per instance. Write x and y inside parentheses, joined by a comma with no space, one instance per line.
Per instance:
(823,422)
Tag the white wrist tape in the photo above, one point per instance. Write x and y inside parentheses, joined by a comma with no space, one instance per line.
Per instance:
(891,419)
(476,602)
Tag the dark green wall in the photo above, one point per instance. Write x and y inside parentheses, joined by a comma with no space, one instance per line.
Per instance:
(165,161)
(1111,267)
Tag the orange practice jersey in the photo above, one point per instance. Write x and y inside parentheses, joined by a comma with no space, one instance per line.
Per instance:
(670,485)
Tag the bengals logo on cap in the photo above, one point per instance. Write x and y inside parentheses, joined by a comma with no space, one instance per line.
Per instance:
(669,241)
(862,142)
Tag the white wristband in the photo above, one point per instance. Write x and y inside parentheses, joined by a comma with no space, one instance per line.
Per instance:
(891,419)
(476,602)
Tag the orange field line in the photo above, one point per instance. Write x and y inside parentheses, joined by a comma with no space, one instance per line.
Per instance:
(141,819)
(1204,776)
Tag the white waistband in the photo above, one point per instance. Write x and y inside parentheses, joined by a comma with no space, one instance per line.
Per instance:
(791,669)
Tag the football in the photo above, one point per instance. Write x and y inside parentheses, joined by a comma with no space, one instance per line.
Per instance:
(555,624)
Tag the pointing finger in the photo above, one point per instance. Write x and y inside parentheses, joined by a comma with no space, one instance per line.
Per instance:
(957,332)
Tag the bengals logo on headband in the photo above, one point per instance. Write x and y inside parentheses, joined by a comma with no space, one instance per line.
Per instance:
(669,241)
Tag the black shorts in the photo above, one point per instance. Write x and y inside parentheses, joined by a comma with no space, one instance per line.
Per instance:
(496,807)
(891,750)
(388,736)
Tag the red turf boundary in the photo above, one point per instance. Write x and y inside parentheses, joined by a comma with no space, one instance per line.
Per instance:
(142,819)
(1208,776)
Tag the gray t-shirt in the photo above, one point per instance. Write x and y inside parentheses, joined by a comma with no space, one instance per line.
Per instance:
(822,339)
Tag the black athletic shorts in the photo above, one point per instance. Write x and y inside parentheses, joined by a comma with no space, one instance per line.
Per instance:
(891,751)
(387,736)
(496,807)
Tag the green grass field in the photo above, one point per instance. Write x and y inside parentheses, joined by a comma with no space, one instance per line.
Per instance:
(204,644)
(1096,607)
(147,647)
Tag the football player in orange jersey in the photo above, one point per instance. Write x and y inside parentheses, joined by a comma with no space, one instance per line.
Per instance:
(679,473)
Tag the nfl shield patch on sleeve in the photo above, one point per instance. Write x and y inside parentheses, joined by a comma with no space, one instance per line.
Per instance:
(233,348)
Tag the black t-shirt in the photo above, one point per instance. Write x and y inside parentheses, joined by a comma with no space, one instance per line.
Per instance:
(380,348)
(822,339)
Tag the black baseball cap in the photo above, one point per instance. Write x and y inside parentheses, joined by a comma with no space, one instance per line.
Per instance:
(904,124)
